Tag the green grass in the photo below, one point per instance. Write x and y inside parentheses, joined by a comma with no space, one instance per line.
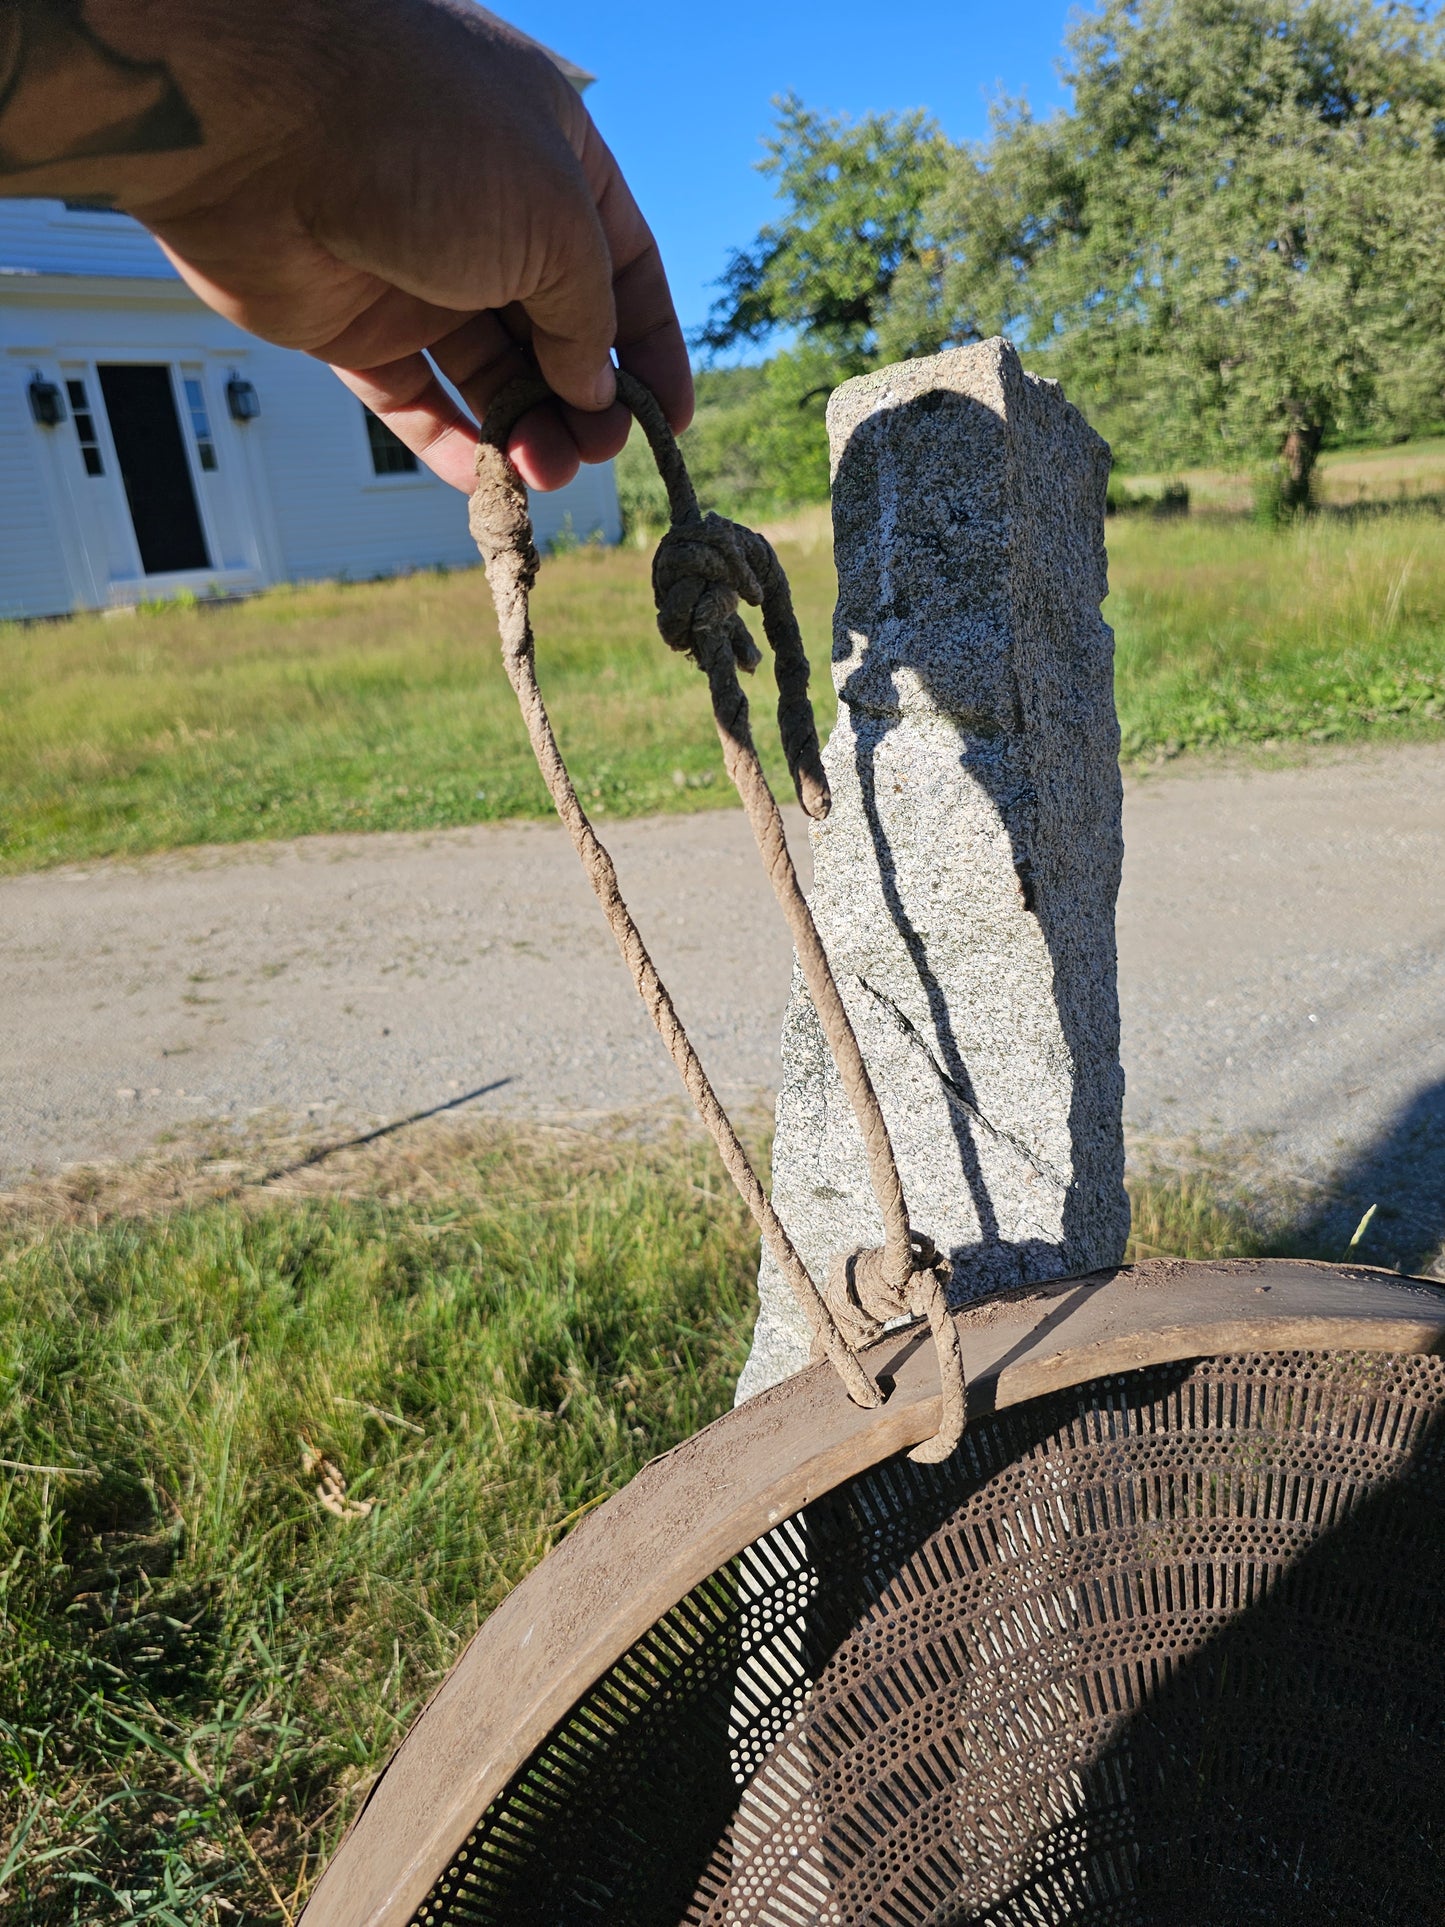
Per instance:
(200,1665)
(1230,635)
(379,706)
(383,706)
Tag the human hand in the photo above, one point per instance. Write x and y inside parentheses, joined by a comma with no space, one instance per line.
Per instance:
(371,181)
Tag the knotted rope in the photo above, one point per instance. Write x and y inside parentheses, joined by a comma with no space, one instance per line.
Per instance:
(703,567)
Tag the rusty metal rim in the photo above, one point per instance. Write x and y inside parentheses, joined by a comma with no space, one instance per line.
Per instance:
(689,1512)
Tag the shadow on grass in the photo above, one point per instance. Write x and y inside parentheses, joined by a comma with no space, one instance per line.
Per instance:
(1400,1178)
(1383,1206)
(1372,510)
(321,1152)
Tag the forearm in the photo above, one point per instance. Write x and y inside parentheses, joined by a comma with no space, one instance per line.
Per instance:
(152,103)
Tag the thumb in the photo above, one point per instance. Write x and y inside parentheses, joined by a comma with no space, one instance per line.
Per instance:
(573,315)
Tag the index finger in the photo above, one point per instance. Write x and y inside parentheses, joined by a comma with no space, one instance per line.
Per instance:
(649,338)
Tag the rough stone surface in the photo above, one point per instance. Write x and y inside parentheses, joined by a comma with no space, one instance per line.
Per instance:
(965,880)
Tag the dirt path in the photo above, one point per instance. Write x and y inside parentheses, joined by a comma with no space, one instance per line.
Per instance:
(1282,940)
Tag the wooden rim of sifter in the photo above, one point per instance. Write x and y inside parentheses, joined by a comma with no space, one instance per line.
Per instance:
(687,1514)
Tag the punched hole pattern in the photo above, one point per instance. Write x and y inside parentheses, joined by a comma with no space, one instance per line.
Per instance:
(1164,1648)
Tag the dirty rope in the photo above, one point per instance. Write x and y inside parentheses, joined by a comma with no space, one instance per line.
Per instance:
(704,565)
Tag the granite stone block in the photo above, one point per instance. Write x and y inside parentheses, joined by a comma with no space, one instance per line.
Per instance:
(966,878)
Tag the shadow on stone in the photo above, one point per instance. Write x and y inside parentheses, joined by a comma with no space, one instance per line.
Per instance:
(974,668)
(963,1111)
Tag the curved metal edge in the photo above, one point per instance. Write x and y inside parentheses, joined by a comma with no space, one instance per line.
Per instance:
(689,1512)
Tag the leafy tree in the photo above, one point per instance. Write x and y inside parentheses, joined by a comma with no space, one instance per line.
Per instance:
(757,447)
(1239,226)
(855,192)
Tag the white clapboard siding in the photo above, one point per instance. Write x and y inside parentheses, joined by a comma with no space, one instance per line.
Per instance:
(293,496)
(34,579)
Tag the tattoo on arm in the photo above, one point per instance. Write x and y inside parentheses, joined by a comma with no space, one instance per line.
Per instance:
(66,96)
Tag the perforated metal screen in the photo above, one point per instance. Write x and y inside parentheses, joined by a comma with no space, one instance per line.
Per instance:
(1166,1648)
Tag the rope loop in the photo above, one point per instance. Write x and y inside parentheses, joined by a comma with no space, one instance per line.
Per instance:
(705,566)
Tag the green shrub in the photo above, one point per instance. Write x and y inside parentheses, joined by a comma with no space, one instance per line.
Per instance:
(757,447)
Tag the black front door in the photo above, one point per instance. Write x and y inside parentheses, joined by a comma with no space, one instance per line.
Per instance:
(147,436)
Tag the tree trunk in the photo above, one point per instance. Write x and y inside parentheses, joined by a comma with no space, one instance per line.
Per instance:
(1297,466)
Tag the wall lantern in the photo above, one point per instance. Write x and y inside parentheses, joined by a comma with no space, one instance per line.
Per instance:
(242,399)
(47,404)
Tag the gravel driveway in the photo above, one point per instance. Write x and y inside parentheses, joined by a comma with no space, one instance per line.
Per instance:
(1282,960)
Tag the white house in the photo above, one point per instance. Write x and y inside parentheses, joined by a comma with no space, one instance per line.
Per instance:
(148,447)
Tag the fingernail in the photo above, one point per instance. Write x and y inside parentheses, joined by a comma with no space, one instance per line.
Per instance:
(604,388)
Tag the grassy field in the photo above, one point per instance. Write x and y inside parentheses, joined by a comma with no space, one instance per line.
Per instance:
(375,706)
(383,706)
(1345,478)
(1233,636)
(465,1344)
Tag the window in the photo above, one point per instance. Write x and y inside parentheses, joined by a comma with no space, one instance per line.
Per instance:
(200,423)
(85,428)
(389,454)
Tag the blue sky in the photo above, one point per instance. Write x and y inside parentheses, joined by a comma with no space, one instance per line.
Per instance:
(683,94)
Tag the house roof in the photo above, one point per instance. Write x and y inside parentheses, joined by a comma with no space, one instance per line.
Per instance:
(47,237)
(579,76)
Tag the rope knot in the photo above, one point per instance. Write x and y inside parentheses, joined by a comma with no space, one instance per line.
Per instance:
(702,569)
(865,1293)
